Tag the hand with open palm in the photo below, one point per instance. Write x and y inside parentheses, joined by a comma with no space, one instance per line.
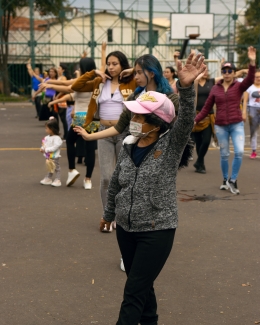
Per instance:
(193,67)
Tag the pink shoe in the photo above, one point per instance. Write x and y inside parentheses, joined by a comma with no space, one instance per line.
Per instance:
(253,155)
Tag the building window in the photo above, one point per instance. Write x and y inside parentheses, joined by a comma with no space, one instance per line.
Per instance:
(143,37)
(110,35)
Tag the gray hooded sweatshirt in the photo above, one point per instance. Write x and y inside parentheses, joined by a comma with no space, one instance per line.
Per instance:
(144,198)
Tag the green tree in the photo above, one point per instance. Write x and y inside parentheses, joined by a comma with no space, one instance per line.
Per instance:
(249,34)
(8,9)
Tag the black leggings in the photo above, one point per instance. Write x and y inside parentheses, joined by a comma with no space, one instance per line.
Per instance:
(202,140)
(144,255)
(90,152)
(62,114)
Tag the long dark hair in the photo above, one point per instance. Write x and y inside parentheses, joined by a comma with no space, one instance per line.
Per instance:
(65,72)
(55,70)
(172,71)
(150,63)
(124,65)
(86,65)
(53,125)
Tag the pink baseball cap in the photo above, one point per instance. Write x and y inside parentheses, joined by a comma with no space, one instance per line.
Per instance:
(153,102)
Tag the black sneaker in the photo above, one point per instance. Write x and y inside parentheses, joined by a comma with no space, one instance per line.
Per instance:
(201,170)
(224,186)
(233,187)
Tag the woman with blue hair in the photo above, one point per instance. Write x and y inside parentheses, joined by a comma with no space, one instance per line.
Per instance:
(148,75)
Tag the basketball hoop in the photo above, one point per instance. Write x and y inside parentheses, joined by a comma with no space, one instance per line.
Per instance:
(193,36)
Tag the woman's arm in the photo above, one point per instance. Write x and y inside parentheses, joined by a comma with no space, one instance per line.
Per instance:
(245,102)
(83,84)
(60,82)
(59,100)
(33,74)
(61,89)
(103,56)
(110,132)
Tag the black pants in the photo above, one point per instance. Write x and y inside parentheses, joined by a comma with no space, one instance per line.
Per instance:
(62,114)
(90,152)
(144,255)
(37,102)
(202,140)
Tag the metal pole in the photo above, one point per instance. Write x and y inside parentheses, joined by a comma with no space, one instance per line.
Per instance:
(207,6)
(235,19)
(121,22)
(188,6)
(151,38)
(179,6)
(32,33)
(92,18)
(229,19)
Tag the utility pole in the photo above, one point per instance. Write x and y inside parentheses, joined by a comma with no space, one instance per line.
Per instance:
(207,6)
(31,43)
(92,39)
(151,35)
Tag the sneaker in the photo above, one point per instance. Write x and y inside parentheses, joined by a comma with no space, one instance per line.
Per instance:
(233,187)
(56,183)
(253,155)
(224,185)
(122,267)
(190,158)
(110,228)
(72,177)
(201,170)
(46,181)
(87,184)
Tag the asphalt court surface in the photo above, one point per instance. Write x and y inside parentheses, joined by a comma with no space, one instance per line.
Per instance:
(57,268)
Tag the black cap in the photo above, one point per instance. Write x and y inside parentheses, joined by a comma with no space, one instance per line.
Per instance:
(228,65)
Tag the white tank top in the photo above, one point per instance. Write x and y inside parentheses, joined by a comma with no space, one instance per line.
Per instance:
(254,96)
(110,108)
(82,100)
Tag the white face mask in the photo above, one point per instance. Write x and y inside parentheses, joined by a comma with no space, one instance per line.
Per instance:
(135,129)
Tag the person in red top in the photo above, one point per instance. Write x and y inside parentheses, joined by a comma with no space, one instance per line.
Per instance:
(229,123)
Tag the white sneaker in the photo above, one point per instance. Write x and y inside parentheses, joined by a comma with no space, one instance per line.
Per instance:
(46,181)
(122,267)
(56,183)
(72,177)
(87,184)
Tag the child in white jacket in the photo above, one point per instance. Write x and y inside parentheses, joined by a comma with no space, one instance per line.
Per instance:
(51,151)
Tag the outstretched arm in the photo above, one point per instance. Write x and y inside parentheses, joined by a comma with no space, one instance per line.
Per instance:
(61,99)
(60,82)
(61,89)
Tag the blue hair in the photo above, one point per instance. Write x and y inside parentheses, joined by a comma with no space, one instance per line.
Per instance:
(150,63)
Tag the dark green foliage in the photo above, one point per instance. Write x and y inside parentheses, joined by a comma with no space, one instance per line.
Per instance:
(9,8)
(249,34)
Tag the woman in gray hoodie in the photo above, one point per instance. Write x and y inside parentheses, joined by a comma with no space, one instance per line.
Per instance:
(142,190)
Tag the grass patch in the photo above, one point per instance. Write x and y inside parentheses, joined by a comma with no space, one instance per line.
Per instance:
(6,99)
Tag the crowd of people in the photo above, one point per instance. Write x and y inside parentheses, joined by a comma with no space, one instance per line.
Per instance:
(144,119)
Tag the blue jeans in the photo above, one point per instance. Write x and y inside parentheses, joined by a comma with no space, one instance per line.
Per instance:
(236,132)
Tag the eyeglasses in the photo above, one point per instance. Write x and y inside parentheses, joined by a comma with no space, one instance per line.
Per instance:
(229,71)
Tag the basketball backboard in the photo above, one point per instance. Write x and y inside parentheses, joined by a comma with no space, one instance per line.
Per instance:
(183,25)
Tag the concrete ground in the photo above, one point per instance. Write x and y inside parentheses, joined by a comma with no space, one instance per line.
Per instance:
(57,268)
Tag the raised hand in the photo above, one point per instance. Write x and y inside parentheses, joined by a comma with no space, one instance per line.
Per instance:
(188,73)
(126,73)
(176,54)
(104,45)
(84,54)
(251,53)
(102,75)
